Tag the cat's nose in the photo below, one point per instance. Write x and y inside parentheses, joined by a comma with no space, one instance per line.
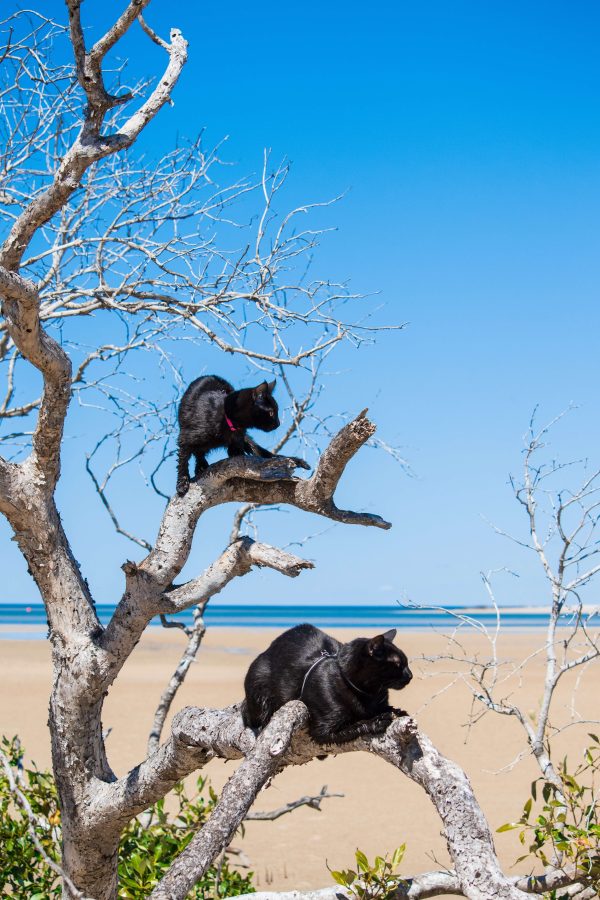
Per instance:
(408,675)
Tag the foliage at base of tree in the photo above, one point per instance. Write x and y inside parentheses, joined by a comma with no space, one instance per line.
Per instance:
(568,827)
(376,881)
(145,853)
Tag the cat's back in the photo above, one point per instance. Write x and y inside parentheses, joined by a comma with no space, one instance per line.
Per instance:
(203,397)
(298,647)
(277,674)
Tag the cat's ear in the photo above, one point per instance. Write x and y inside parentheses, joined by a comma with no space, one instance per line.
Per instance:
(375,645)
(260,390)
(271,386)
(390,635)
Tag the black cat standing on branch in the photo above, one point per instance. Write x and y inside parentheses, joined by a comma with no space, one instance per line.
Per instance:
(212,414)
(344,686)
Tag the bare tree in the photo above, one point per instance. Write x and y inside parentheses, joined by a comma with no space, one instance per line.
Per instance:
(94,233)
(561,523)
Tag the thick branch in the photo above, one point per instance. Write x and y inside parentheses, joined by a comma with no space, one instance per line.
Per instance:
(264,760)
(338,454)
(236,560)
(140,603)
(254,480)
(125,20)
(148,782)
(21,310)
(420,887)
(161,94)
(221,733)
(149,585)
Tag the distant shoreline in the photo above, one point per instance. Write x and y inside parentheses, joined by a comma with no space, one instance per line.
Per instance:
(22,621)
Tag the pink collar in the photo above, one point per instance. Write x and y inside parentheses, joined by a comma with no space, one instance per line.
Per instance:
(230,423)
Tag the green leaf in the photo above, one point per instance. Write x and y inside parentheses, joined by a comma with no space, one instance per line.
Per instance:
(398,855)
(362,861)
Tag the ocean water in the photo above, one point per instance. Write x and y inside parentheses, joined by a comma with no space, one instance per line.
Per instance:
(325,616)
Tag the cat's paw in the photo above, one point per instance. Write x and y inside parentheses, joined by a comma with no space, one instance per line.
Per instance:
(382,721)
(300,463)
(183,485)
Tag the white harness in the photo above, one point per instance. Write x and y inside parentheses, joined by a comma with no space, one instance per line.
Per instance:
(325,655)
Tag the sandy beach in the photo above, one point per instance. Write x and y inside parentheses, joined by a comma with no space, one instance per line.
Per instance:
(381,808)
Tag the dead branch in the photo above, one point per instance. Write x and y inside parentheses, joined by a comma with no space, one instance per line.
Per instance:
(313,801)
(194,639)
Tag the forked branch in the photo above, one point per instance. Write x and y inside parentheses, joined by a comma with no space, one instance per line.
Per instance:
(150,590)
(199,735)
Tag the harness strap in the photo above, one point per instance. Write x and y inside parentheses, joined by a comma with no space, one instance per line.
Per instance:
(351,683)
(325,655)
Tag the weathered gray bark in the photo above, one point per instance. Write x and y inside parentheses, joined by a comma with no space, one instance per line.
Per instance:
(262,762)
(220,733)
(87,658)
(419,887)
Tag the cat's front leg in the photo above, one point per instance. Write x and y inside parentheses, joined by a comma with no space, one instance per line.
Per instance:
(201,464)
(300,463)
(235,449)
(255,449)
(183,473)
(346,733)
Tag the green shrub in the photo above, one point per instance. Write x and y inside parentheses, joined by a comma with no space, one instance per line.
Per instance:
(568,827)
(145,853)
(372,882)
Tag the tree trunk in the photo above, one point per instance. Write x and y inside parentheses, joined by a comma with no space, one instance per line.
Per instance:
(89,852)
(90,861)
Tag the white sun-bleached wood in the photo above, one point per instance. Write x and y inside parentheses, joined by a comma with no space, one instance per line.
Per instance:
(87,657)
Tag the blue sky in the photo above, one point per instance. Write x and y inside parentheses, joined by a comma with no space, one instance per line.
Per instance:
(467,137)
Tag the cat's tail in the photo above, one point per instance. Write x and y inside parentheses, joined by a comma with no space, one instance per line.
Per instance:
(256,711)
(245,714)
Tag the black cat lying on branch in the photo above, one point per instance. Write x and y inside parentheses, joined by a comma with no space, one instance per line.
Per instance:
(212,414)
(344,686)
